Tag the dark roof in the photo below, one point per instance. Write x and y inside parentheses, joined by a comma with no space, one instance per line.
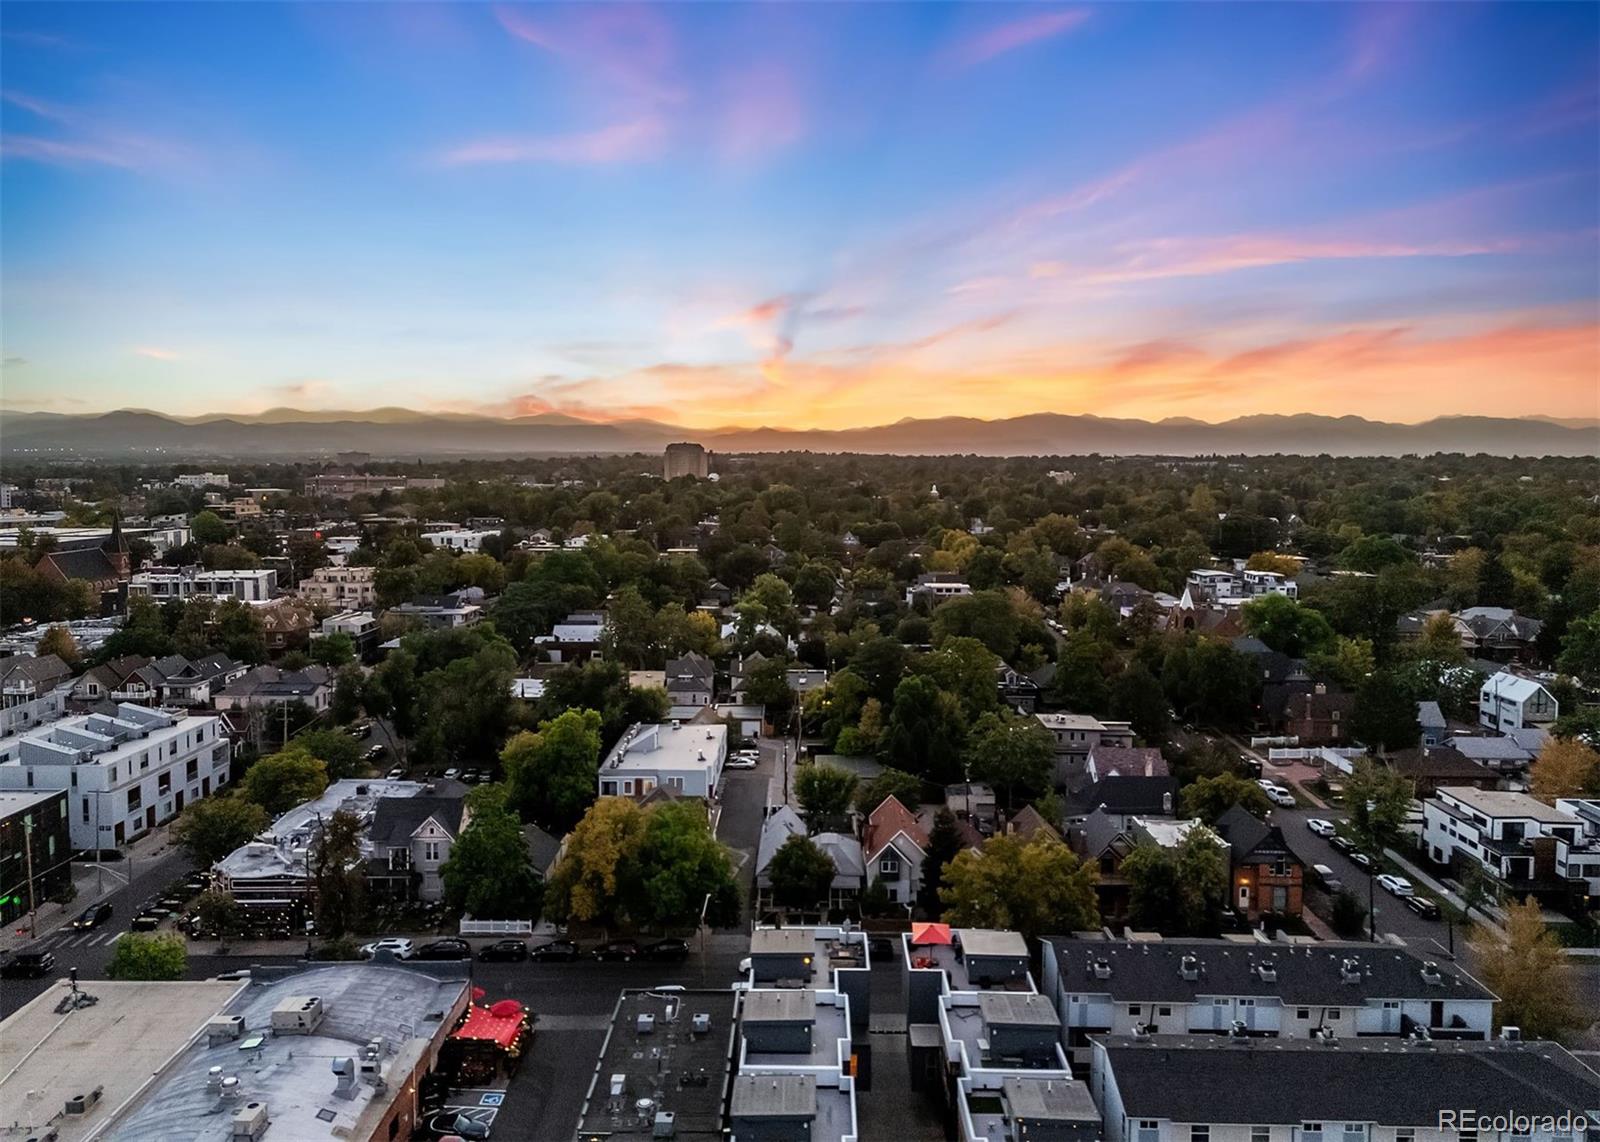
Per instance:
(1437,761)
(1391,1082)
(1320,707)
(1309,975)
(542,848)
(90,563)
(396,818)
(44,671)
(1275,698)
(1098,831)
(1251,839)
(1136,794)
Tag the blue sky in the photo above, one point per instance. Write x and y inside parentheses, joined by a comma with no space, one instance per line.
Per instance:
(802,214)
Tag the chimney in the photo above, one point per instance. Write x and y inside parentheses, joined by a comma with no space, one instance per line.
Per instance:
(1350,970)
(1189,968)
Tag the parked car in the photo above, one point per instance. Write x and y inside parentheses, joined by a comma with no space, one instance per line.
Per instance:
(92,916)
(375,752)
(395,774)
(1321,827)
(361,730)
(1362,860)
(454,1124)
(504,951)
(469,776)
(452,773)
(1281,798)
(737,762)
(1422,906)
(672,950)
(147,921)
(556,951)
(618,950)
(1343,843)
(449,948)
(28,965)
(1250,765)
(1398,885)
(1327,878)
(397,946)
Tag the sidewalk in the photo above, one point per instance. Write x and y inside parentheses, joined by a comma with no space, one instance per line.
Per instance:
(1483,913)
(94,883)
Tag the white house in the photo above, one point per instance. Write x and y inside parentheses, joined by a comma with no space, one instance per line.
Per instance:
(1498,832)
(1511,702)
(248,585)
(344,588)
(687,760)
(894,845)
(125,774)
(459,538)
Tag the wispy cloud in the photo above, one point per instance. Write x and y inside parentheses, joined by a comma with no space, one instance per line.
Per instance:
(618,143)
(80,139)
(155,353)
(1000,39)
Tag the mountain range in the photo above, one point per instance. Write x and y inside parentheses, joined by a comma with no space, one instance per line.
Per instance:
(395,433)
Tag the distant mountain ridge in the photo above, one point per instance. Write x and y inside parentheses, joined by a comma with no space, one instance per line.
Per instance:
(285,433)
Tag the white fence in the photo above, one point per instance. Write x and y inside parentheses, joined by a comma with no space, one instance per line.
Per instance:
(1257,743)
(471,927)
(1329,757)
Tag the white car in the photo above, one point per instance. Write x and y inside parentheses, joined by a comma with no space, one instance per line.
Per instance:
(452,773)
(738,762)
(1281,798)
(1320,827)
(1398,885)
(397,946)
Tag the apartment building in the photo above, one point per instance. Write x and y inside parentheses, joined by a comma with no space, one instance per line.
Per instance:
(164,584)
(1516,839)
(343,588)
(124,773)
(686,760)
(1075,735)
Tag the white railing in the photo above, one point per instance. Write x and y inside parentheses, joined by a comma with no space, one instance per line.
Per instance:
(470,927)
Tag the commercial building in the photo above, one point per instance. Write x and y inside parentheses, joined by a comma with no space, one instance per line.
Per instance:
(165,584)
(1176,1088)
(686,459)
(124,774)
(35,850)
(686,760)
(460,538)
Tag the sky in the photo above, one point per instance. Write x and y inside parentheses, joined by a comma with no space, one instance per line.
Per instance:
(802,215)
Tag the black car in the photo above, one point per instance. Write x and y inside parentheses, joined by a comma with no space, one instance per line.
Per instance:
(450,948)
(556,951)
(28,965)
(504,951)
(669,950)
(1361,860)
(1343,843)
(92,917)
(618,950)
(147,921)
(1422,906)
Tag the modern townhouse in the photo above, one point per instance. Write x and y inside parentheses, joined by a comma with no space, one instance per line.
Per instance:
(1509,701)
(168,584)
(1514,838)
(342,588)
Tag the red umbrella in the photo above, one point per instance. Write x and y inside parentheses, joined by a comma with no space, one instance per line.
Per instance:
(506,1009)
(930,933)
(478,993)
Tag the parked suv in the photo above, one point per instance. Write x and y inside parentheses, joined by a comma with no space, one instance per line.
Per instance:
(28,965)
(450,948)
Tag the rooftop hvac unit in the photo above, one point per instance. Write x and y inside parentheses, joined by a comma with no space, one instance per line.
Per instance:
(80,1104)
(214,1080)
(230,1088)
(1350,970)
(1268,971)
(371,1071)
(701,1022)
(645,1024)
(666,1125)
(1101,969)
(297,1015)
(1189,968)
(1431,974)
(617,1083)
(250,1121)
(222,1027)
(1511,1034)
(344,1084)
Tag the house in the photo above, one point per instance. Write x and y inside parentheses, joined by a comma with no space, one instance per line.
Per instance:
(845,852)
(1124,761)
(1074,736)
(125,772)
(577,638)
(1435,728)
(1207,987)
(802,680)
(1175,1088)
(1266,874)
(460,539)
(445,612)
(288,624)
(100,561)
(1103,841)
(1579,860)
(1018,691)
(410,839)
(182,682)
(1504,755)
(1499,633)
(1128,797)
(1429,767)
(1509,701)
(684,760)
(1516,839)
(1319,716)
(739,673)
(115,680)
(1029,823)
(691,680)
(894,846)
(25,677)
(361,627)
(937,586)
(268,687)
(341,588)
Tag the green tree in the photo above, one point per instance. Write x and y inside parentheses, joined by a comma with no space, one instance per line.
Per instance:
(776,600)
(1347,663)
(281,781)
(926,732)
(1178,891)
(160,956)
(767,685)
(143,632)
(1379,799)
(588,882)
(468,702)
(966,668)
(338,877)
(1210,797)
(211,828)
(1016,755)
(825,793)
(1084,665)
(800,874)
(333,650)
(490,875)
(551,775)
(632,636)
(679,864)
(59,642)
(1286,626)
(1526,966)
(1349,915)
(240,632)
(1034,887)
(1580,650)
(208,527)
(219,912)
(1136,697)
(986,615)
(347,692)
(1385,714)
(880,662)
(944,842)
(897,783)
(1372,553)
(392,691)
(339,752)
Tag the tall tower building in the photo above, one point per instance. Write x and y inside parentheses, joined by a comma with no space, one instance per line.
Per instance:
(686,459)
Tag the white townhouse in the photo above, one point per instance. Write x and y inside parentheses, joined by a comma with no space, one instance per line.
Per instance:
(1511,702)
(682,759)
(1516,839)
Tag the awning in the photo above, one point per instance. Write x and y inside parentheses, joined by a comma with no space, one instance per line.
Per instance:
(930,933)
(501,1024)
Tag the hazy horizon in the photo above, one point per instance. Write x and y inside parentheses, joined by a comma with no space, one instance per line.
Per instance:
(807,217)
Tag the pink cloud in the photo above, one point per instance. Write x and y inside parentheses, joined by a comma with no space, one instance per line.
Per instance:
(630,46)
(80,139)
(618,143)
(1008,37)
(155,353)
(762,112)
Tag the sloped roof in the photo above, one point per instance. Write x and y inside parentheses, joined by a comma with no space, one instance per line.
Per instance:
(1430,716)
(1030,821)
(395,819)
(1437,761)
(1145,795)
(888,819)
(1128,761)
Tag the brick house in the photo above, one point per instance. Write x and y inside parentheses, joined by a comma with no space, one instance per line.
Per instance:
(1320,716)
(1266,874)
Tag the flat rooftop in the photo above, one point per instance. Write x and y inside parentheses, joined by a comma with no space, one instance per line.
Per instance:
(832,1111)
(830,949)
(116,1045)
(1495,803)
(670,1067)
(667,747)
(830,1023)
(1035,1099)
(293,1074)
(946,958)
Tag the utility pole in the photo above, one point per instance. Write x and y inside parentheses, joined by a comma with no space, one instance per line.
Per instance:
(27,845)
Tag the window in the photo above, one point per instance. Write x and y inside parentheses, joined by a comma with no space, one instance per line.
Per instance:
(1311,1132)
(1149,1130)
(889,866)
(1163,1011)
(1135,1009)
(1260,1134)
(1199,1134)
(1355,1132)
(1333,1013)
(1302,1013)
(1405,1134)
(430,850)
(135,798)
(1247,1003)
